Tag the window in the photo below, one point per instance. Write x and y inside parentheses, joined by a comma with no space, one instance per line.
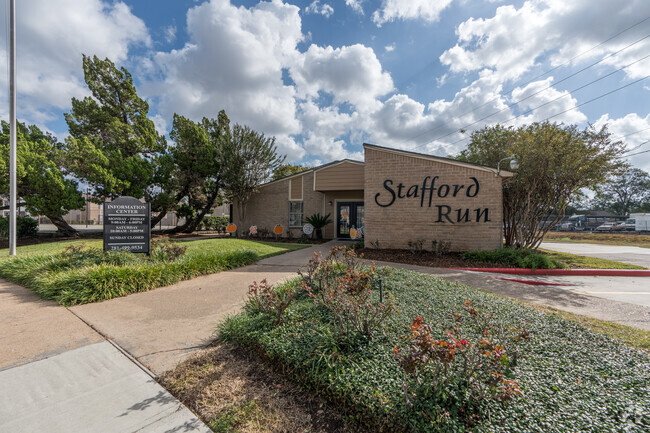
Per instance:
(295,214)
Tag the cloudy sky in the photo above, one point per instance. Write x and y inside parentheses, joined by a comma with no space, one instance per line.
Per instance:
(324,76)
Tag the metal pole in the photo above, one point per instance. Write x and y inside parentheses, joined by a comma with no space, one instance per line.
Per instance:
(12,124)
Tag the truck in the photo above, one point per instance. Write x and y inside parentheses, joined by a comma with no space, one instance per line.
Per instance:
(641,221)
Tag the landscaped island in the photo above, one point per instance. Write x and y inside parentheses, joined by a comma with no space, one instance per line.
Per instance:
(440,356)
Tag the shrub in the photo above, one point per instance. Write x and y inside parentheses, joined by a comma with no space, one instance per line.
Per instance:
(165,251)
(461,370)
(344,288)
(319,221)
(262,298)
(25,227)
(518,257)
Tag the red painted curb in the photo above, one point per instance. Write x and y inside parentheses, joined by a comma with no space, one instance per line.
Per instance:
(598,272)
(531,282)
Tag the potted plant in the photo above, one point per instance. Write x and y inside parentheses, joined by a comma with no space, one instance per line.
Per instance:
(318,221)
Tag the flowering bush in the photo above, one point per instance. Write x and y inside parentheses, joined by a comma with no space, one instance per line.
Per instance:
(473,362)
(262,298)
(344,287)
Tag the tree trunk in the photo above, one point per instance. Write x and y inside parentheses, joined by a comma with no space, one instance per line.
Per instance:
(62,227)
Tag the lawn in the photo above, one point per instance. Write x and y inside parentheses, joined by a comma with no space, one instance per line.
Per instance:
(80,272)
(626,239)
(583,262)
(570,378)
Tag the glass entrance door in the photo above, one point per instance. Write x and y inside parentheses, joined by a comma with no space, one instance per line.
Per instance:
(349,219)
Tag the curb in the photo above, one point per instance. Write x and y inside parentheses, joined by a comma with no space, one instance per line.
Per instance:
(563,272)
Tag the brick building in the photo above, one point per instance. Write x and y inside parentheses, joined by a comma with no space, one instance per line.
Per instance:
(391,198)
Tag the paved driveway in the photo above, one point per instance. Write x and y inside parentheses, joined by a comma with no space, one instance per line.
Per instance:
(626,254)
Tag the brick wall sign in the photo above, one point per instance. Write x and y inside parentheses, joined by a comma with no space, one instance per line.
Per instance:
(127,225)
(411,198)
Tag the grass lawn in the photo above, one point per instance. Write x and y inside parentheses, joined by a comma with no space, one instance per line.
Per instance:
(576,261)
(91,275)
(599,238)
(571,378)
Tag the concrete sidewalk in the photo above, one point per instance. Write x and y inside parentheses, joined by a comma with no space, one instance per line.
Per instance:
(94,388)
(58,375)
(164,326)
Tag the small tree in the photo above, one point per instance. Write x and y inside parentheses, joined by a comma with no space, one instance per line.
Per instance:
(113,146)
(248,158)
(319,221)
(41,183)
(555,163)
(625,193)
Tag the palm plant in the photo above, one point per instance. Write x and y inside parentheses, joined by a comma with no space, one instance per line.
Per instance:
(319,221)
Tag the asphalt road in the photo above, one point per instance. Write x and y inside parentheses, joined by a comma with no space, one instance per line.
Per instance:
(626,254)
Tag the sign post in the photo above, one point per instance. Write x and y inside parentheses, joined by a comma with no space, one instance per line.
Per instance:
(127,225)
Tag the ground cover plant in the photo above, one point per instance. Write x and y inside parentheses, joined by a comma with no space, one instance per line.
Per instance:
(516,257)
(449,358)
(80,273)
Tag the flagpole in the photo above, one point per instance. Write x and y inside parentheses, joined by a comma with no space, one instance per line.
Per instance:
(12,123)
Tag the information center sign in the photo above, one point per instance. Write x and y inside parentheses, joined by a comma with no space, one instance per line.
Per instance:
(127,225)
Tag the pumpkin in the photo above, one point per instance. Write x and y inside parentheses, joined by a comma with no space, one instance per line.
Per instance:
(353,233)
(278,229)
(231,228)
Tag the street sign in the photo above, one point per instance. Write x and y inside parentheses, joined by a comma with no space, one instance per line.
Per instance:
(127,225)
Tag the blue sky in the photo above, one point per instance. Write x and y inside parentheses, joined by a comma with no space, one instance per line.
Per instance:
(324,76)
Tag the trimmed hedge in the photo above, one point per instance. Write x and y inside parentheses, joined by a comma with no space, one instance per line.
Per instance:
(93,275)
(572,379)
(517,257)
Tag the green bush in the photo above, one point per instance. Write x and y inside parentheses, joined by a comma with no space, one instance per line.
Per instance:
(217,223)
(25,227)
(571,379)
(517,257)
(80,275)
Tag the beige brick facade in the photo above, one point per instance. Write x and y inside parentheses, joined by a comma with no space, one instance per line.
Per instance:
(407,197)
(464,207)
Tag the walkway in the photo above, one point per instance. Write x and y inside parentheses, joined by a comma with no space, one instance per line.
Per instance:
(164,326)
(58,375)
(620,253)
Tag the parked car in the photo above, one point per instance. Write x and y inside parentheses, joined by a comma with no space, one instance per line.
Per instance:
(629,225)
(607,227)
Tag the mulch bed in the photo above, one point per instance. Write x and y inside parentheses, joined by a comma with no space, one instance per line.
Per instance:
(426,258)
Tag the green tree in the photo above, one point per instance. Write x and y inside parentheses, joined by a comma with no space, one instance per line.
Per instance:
(113,145)
(248,158)
(555,162)
(194,180)
(285,170)
(625,193)
(40,181)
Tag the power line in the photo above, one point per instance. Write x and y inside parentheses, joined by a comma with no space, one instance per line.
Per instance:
(538,76)
(638,153)
(535,108)
(637,147)
(570,109)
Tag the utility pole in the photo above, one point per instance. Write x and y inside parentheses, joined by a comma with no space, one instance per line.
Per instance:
(12,126)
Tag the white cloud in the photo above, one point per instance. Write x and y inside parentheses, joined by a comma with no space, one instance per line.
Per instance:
(389,48)
(351,74)
(514,39)
(546,102)
(234,60)
(634,131)
(316,8)
(52,36)
(355,5)
(426,10)
(170,33)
